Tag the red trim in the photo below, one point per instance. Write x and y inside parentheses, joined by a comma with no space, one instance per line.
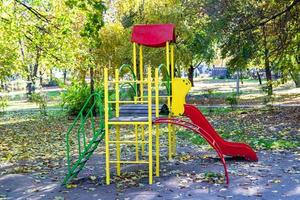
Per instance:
(199,131)
(201,126)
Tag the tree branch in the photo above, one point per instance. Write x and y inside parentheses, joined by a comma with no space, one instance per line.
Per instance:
(40,48)
(33,11)
(262,23)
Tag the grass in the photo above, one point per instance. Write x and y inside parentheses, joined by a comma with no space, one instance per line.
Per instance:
(208,91)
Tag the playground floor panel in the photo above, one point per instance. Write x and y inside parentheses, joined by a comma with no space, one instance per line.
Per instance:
(275,176)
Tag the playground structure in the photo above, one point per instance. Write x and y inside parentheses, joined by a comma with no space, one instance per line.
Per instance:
(145,111)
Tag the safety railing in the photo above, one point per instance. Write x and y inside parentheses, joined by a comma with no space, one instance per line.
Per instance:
(85,127)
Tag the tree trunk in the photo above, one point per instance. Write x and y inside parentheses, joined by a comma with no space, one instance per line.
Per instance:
(92,80)
(296,78)
(191,74)
(92,85)
(41,78)
(238,83)
(65,76)
(267,64)
(259,78)
(51,75)
(269,77)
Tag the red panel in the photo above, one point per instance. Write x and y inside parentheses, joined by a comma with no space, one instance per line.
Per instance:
(153,35)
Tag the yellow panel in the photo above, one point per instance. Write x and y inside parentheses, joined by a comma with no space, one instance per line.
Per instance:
(180,88)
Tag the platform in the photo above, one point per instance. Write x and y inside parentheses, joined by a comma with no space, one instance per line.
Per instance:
(138,113)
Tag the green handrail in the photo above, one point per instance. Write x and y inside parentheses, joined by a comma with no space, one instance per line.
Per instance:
(124,66)
(131,86)
(83,120)
(166,76)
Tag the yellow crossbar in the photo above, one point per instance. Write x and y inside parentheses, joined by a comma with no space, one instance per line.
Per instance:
(129,122)
(127,142)
(128,81)
(128,102)
(130,162)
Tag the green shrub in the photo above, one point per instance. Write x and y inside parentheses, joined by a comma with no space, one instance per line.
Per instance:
(232,100)
(41,101)
(3,102)
(75,97)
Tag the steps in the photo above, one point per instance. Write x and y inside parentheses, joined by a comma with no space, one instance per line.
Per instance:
(84,136)
(84,157)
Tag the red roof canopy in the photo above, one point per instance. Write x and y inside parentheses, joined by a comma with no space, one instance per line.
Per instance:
(153,35)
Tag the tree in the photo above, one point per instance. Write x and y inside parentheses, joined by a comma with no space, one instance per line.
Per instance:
(254,32)
(194,46)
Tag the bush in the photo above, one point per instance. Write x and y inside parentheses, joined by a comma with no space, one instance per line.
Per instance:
(75,97)
(3,103)
(232,100)
(41,101)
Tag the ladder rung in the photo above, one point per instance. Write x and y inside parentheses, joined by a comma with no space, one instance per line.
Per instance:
(128,81)
(83,161)
(130,162)
(127,102)
(128,142)
(90,151)
(129,122)
(76,171)
(98,140)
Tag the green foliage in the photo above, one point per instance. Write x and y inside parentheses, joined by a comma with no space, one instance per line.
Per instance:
(232,100)
(41,101)
(268,99)
(260,34)
(75,97)
(3,102)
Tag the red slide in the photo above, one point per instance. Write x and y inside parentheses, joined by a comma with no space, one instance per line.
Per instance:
(233,149)
(202,127)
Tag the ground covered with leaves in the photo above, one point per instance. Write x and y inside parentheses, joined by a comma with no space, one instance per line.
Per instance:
(32,160)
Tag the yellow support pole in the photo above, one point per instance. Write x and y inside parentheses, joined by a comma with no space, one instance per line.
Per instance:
(136,145)
(135,99)
(141,72)
(106,126)
(118,126)
(143,139)
(172,77)
(169,103)
(157,147)
(134,58)
(169,134)
(142,94)
(150,125)
(168,56)
(172,62)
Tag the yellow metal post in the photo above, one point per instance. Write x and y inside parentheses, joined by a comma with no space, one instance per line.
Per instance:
(169,103)
(150,124)
(106,126)
(143,139)
(134,58)
(169,134)
(118,126)
(142,93)
(157,147)
(172,62)
(141,72)
(135,99)
(172,77)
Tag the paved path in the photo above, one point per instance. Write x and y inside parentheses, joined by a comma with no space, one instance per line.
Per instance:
(275,176)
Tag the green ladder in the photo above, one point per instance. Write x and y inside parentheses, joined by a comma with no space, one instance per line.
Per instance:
(86,143)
